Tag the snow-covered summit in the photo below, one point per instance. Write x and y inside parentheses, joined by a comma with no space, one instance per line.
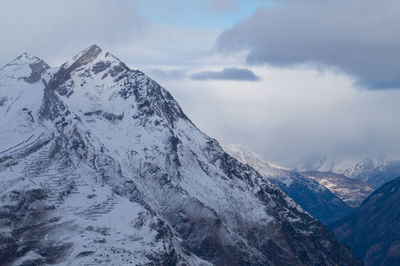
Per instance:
(26,67)
(24,59)
(84,57)
(101,166)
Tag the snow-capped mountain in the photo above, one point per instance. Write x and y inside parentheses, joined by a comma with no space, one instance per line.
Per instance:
(374,171)
(351,191)
(100,166)
(308,193)
(373,230)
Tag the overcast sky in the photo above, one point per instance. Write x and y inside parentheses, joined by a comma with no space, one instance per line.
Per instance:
(290,79)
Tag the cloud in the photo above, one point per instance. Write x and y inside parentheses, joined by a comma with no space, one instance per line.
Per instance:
(48,28)
(358,37)
(238,74)
(292,114)
(168,74)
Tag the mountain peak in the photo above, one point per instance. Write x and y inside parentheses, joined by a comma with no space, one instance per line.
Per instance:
(95,47)
(24,60)
(83,58)
(26,67)
(26,57)
(92,50)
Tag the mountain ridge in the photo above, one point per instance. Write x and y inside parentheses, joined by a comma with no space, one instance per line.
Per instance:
(101,165)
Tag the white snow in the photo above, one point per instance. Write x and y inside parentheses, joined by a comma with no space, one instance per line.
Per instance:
(100,161)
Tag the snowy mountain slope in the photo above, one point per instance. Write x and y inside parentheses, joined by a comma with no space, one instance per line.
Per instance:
(65,200)
(374,171)
(351,191)
(313,197)
(99,165)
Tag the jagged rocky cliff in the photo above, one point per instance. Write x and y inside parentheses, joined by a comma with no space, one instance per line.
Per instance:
(99,165)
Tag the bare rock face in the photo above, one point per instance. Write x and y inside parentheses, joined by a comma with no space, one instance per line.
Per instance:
(99,165)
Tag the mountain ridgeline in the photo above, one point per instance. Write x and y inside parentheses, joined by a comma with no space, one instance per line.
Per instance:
(100,166)
(373,230)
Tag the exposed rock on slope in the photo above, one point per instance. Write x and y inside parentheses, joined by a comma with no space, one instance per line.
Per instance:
(99,165)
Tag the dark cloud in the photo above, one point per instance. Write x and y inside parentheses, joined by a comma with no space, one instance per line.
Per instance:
(359,37)
(227,74)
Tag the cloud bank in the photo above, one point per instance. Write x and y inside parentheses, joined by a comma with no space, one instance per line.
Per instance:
(358,37)
(64,27)
(237,74)
(293,114)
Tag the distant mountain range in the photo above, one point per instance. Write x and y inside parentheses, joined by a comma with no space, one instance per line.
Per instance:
(373,230)
(326,200)
(374,171)
(351,191)
(100,166)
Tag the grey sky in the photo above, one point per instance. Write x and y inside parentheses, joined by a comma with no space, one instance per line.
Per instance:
(168,74)
(359,37)
(53,29)
(223,5)
(226,74)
